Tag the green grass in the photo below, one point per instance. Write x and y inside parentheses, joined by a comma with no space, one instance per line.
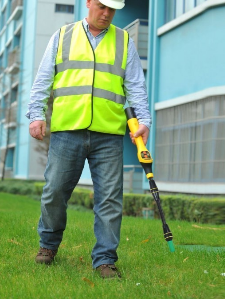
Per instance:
(149,269)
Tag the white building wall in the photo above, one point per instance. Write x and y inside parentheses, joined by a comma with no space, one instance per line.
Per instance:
(47,23)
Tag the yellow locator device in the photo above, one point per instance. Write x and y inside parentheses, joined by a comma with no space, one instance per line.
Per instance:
(146,160)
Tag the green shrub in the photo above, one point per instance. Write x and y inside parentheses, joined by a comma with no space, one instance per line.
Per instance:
(39,187)
(82,197)
(206,211)
(193,208)
(133,203)
(17,187)
(175,207)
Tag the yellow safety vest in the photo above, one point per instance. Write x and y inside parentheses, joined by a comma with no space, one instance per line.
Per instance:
(88,84)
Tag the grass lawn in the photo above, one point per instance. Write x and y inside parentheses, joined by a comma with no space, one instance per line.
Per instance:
(149,269)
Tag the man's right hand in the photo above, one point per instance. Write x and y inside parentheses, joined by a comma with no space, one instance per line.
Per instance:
(37,129)
(142,131)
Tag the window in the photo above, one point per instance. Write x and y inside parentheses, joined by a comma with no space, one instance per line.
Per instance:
(200,1)
(16,41)
(1,64)
(190,142)
(10,158)
(14,94)
(1,137)
(170,10)
(5,103)
(190,4)
(12,135)
(64,8)
(175,8)
(3,19)
(179,8)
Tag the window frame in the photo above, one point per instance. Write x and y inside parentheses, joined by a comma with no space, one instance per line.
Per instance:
(64,8)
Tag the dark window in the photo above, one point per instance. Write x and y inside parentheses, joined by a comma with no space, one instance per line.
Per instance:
(64,8)
(3,19)
(1,63)
(14,94)
(10,155)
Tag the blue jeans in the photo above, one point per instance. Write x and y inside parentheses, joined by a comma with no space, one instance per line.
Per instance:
(67,154)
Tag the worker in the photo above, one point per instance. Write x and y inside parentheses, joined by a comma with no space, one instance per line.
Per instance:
(92,67)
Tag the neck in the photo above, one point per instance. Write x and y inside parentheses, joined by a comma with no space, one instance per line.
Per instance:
(94,31)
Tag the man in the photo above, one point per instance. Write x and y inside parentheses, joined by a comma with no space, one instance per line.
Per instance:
(92,67)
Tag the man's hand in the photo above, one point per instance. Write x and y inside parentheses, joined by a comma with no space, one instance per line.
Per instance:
(37,129)
(142,131)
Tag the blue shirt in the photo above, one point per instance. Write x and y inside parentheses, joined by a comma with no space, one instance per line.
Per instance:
(134,80)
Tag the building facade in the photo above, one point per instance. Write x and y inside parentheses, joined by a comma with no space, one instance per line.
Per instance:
(181,48)
(25,29)
(184,67)
(187,84)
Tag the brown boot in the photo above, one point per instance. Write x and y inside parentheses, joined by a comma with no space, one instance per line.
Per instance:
(45,256)
(108,271)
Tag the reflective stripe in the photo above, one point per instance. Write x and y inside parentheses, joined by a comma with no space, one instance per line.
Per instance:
(115,69)
(119,47)
(67,41)
(73,90)
(74,64)
(97,92)
(111,96)
(112,69)
(101,67)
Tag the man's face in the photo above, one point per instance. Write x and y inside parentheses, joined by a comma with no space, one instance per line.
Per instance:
(99,15)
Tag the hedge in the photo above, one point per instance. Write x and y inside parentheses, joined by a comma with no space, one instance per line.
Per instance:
(176,207)
(193,208)
(17,187)
(132,203)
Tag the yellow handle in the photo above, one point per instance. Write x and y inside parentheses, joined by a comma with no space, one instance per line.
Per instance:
(143,154)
